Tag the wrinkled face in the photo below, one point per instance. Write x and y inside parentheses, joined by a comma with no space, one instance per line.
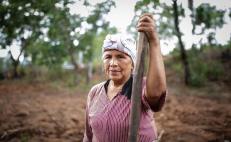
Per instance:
(117,65)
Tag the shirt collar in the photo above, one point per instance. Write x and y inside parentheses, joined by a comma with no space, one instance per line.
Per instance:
(127,88)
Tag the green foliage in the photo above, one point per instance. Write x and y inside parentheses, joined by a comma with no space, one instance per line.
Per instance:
(24,137)
(43,53)
(51,30)
(58,77)
(165,22)
(204,14)
(210,16)
(1,70)
(87,40)
(198,72)
(55,73)
(24,22)
(206,64)
(97,48)
(215,71)
(175,62)
(140,4)
(166,27)
(230,12)
(203,72)
(18,17)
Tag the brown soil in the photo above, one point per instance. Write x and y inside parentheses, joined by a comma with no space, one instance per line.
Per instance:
(32,112)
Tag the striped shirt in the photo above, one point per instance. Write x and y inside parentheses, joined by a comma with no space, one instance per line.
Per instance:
(108,120)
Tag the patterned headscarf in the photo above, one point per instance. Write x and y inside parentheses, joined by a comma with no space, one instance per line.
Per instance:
(121,42)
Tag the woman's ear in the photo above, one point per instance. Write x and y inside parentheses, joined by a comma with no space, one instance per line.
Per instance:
(132,68)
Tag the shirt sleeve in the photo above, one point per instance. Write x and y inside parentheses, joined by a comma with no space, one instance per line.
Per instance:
(155,107)
(88,135)
(88,131)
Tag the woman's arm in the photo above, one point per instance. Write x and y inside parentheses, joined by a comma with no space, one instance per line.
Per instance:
(156,80)
(88,132)
(88,135)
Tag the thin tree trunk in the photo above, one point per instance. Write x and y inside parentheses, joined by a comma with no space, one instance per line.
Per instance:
(73,60)
(15,62)
(191,7)
(187,75)
(77,69)
(89,71)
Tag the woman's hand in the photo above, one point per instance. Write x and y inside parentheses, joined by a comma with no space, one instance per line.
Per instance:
(147,25)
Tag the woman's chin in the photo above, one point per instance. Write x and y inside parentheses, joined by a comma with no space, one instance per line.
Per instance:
(114,78)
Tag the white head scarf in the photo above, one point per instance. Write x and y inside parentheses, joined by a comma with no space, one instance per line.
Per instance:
(121,42)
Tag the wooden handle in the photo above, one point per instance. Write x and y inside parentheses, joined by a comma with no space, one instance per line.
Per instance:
(137,88)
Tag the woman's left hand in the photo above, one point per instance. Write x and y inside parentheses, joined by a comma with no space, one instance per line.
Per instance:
(147,25)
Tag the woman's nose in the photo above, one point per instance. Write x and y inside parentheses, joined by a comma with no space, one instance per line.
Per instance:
(113,62)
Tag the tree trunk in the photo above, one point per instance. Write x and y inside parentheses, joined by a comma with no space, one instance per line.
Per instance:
(73,60)
(15,62)
(89,71)
(191,7)
(184,58)
(15,69)
(77,69)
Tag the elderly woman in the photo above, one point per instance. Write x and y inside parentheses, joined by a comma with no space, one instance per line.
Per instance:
(109,103)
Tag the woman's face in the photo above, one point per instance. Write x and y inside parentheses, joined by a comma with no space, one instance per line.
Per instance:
(117,65)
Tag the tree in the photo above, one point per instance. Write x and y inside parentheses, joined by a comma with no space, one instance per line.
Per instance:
(60,33)
(203,17)
(168,24)
(98,24)
(209,16)
(48,33)
(184,58)
(75,34)
(192,15)
(165,21)
(21,22)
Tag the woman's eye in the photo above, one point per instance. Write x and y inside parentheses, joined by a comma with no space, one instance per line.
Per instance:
(120,56)
(107,57)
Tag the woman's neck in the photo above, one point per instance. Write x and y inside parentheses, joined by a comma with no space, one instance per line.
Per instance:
(118,84)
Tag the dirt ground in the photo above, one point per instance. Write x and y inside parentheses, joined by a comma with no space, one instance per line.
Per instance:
(37,112)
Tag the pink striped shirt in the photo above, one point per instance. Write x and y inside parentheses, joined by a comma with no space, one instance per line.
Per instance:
(108,121)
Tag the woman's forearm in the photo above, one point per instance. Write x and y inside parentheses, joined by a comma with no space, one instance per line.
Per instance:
(156,79)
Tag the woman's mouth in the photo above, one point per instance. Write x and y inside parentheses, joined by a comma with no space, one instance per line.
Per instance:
(114,72)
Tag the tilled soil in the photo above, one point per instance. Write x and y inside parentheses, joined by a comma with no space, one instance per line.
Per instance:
(41,113)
